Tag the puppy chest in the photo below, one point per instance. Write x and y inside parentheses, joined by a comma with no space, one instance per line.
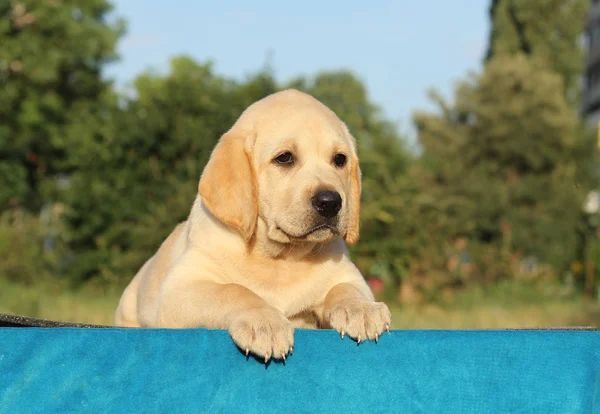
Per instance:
(287,288)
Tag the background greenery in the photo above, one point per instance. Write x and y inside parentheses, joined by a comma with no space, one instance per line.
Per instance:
(481,225)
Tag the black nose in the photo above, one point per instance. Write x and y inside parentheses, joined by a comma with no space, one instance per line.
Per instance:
(327,203)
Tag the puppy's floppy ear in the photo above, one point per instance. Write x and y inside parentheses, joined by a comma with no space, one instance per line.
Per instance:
(353,231)
(228,183)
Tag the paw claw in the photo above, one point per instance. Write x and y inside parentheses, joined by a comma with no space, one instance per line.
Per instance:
(264,332)
(362,320)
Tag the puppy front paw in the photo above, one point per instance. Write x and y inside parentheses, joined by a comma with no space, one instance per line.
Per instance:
(360,319)
(264,332)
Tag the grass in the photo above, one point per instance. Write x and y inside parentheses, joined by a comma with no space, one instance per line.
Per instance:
(51,301)
(497,317)
(508,305)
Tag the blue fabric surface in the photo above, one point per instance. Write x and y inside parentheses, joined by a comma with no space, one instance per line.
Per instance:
(196,370)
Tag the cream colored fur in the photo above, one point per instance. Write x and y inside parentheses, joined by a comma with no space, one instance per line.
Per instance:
(251,258)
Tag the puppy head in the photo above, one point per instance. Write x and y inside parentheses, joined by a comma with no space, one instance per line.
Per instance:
(291,163)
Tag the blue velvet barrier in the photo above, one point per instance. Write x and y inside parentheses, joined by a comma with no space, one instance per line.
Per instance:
(110,370)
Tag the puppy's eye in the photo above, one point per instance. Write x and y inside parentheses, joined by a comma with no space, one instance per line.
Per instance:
(339,160)
(285,158)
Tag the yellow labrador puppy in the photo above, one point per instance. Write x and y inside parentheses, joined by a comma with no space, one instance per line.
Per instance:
(263,248)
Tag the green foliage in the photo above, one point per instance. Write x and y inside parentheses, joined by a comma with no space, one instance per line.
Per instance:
(51,59)
(549,30)
(23,256)
(500,166)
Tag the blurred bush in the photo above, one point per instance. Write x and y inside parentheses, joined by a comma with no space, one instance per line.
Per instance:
(29,253)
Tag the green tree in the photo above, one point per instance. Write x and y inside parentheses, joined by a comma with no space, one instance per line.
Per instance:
(500,166)
(51,60)
(549,30)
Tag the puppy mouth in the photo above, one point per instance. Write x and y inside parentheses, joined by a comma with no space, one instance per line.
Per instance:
(317,229)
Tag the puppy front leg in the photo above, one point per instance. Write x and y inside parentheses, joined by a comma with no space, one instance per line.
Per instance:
(352,310)
(254,325)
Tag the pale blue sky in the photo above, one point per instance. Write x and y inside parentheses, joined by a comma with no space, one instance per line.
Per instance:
(398,48)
